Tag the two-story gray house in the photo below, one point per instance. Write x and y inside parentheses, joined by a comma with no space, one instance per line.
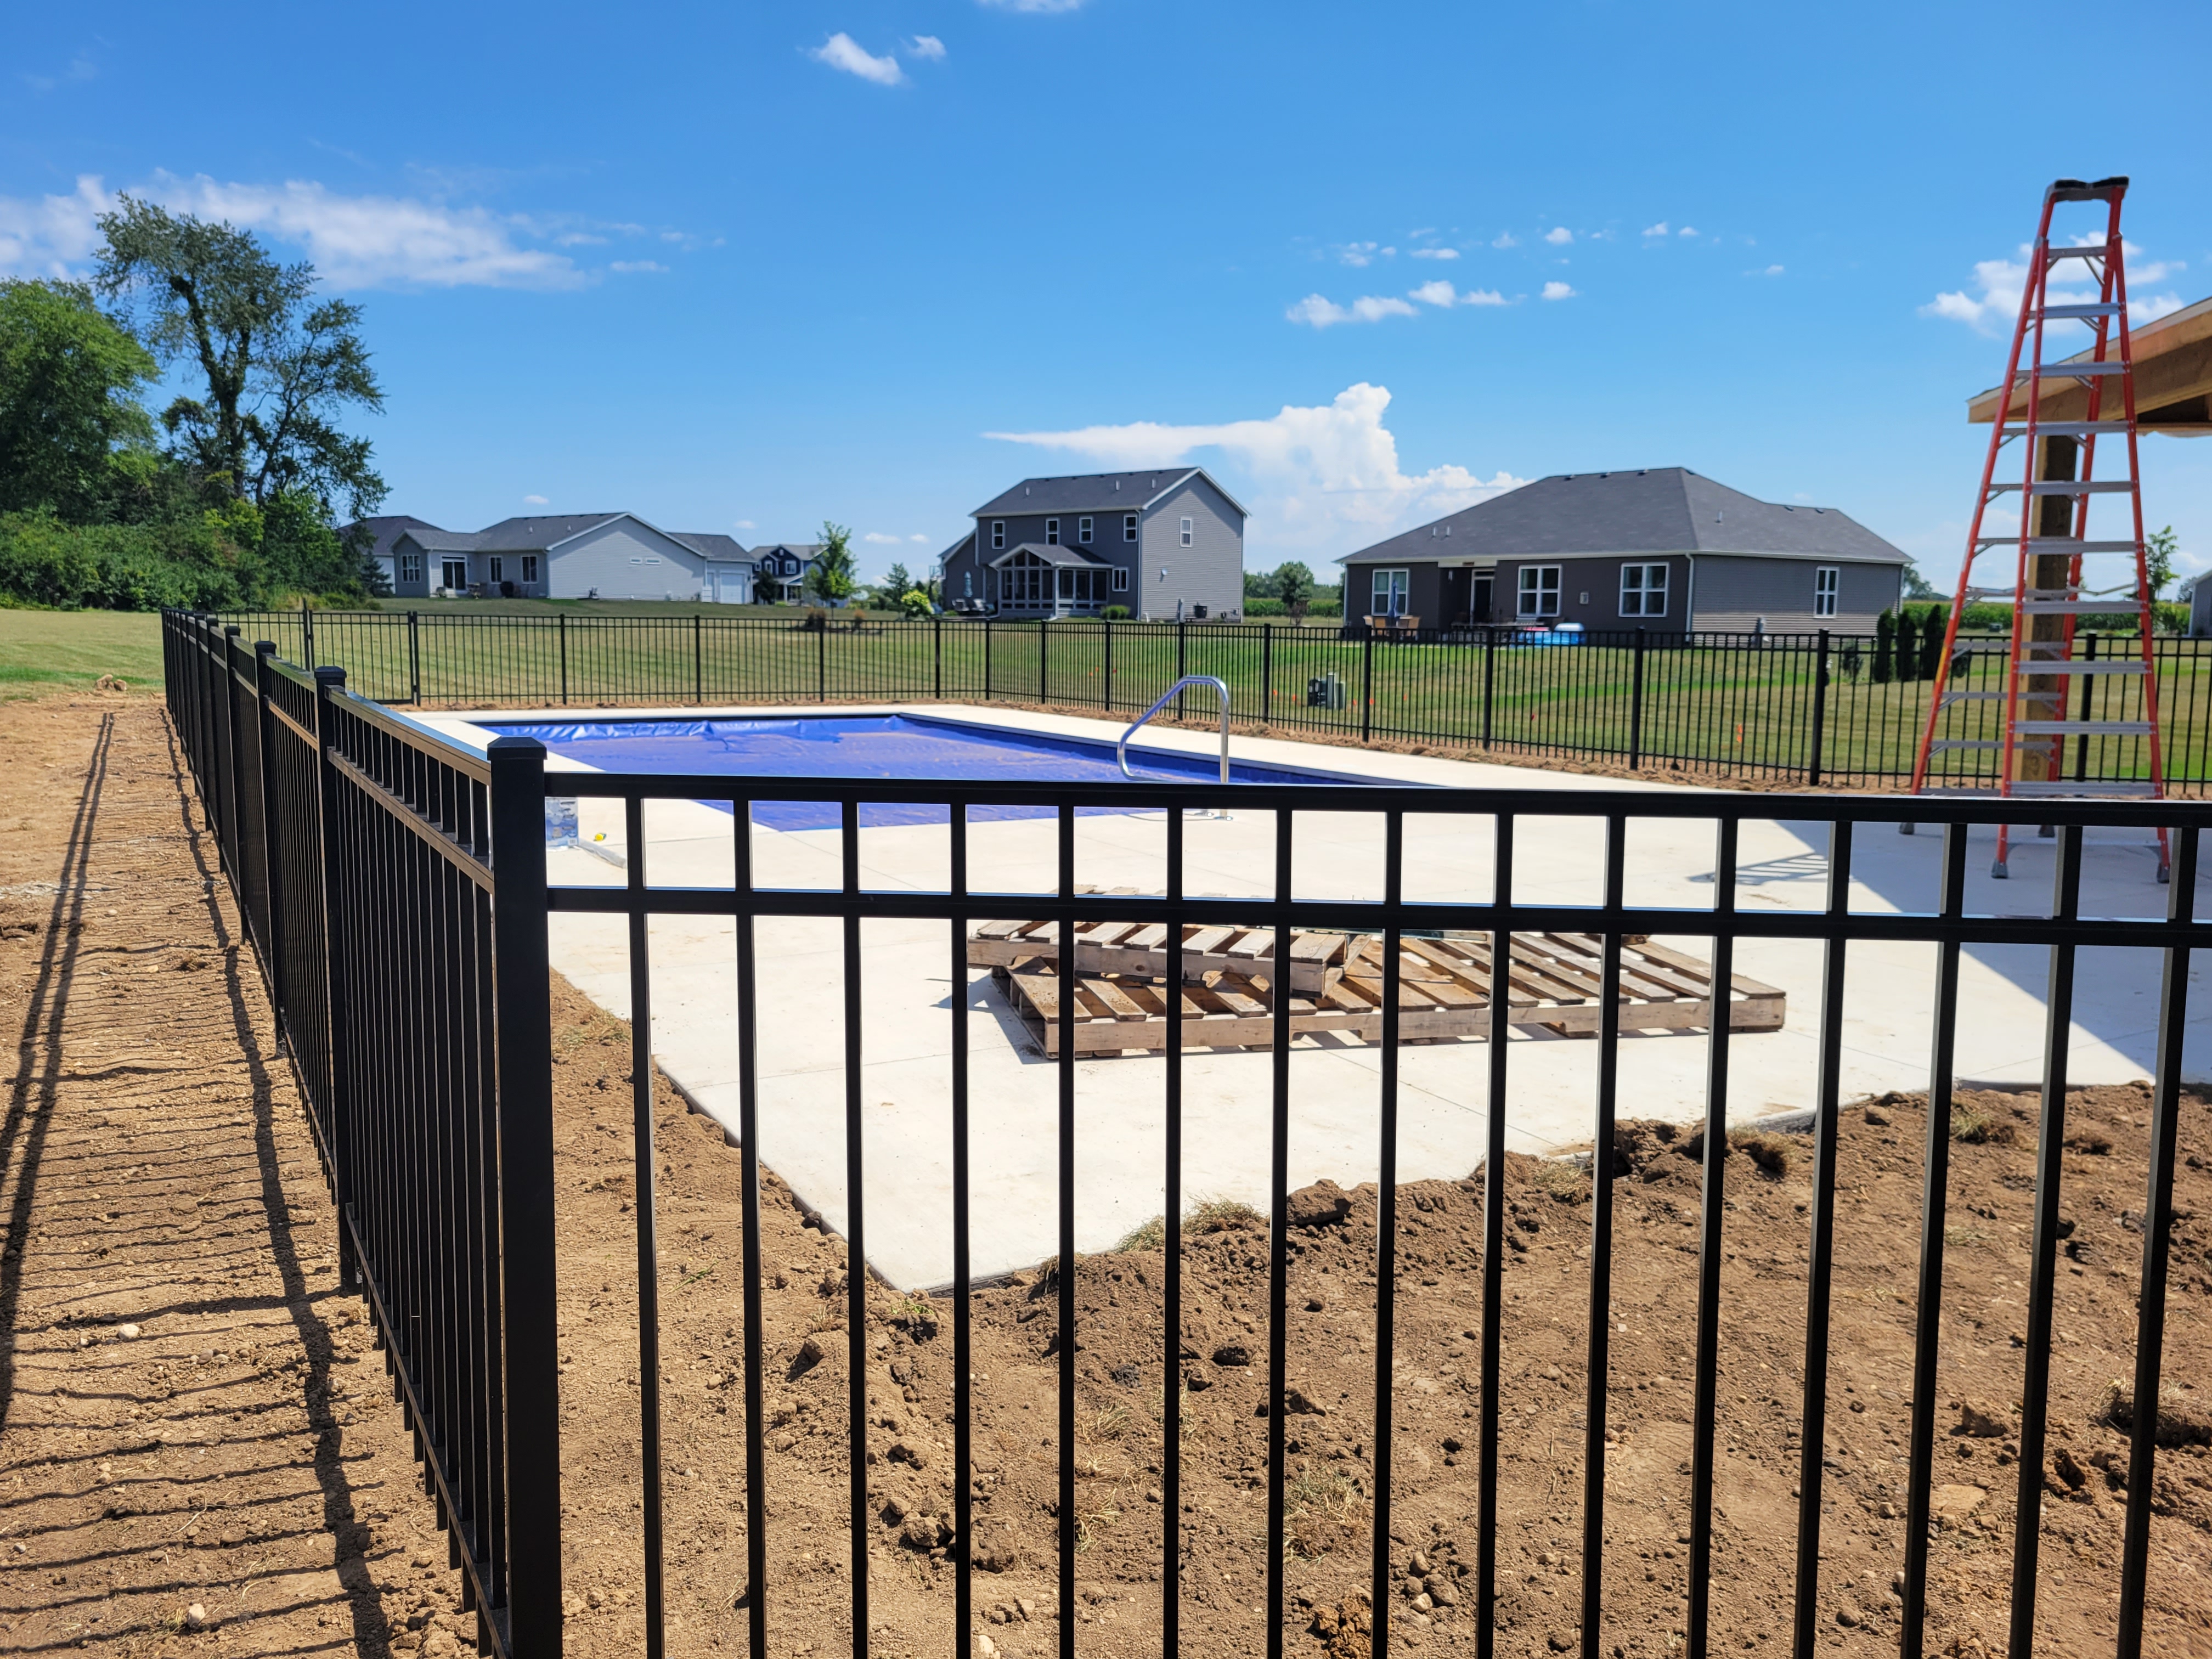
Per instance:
(1167,543)
(1661,549)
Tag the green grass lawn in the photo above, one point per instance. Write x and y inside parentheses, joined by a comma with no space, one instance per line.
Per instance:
(46,651)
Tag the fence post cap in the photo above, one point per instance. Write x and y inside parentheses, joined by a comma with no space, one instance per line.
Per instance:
(264,648)
(232,627)
(330,675)
(515,751)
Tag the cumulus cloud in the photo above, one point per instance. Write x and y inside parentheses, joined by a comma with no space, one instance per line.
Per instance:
(355,241)
(1318,311)
(743,524)
(1442,293)
(1558,291)
(1505,239)
(629,266)
(1687,230)
(1771,270)
(928,47)
(880,539)
(1435,254)
(1323,480)
(1990,304)
(1559,236)
(1659,229)
(534,500)
(924,539)
(842,52)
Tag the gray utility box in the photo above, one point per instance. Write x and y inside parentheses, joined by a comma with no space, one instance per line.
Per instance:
(1326,691)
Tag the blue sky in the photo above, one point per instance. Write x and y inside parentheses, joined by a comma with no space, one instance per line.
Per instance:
(745,268)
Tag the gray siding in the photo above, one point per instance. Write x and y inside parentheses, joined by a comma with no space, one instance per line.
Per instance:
(1735,593)
(623,561)
(1209,572)
(1105,545)
(1589,592)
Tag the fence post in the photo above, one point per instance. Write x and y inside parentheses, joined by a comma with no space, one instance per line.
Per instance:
(414,663)
(987,660)
(1489,678)
(2082,743)
(1106,671)
(1636,705)
(337,1084)
(937,657)
(529,1345)
(1183,659)
(234,800)
(1267,673)
(1367,685)
(698,680)
(822,661)
(563,618)
(264,734)
(1819,710)
(307,633)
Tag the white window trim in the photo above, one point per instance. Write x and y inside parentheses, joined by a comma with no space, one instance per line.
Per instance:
(1082,529)
(1827,588)
(1052,532)
(1186,532)
(1128,526)
(410,567)
(1381,583)
(1645,591)
(529,566)
(1121,579)
(1525,591)
(998,535)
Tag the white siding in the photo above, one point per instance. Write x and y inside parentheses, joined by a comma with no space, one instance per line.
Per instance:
(624,560)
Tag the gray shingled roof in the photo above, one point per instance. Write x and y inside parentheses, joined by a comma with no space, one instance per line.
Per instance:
(536,535)
(431,539)
(1054,553)
(1668,509)
(386,530)
(709,545)
(1095,492)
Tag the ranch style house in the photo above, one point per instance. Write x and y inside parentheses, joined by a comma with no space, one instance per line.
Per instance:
(572,555)
(1662,549)
(1167,543)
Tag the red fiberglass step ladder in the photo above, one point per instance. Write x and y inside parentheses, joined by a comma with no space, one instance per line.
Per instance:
(2049,590)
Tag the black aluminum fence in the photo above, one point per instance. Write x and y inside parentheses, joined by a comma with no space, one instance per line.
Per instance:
(1801,707)
(435,1123)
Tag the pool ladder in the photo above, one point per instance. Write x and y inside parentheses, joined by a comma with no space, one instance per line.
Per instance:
(1122,748)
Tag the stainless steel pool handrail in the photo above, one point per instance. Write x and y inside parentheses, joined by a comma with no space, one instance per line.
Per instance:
(1122,748)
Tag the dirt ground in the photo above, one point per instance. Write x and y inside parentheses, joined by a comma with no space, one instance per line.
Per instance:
(192,1415)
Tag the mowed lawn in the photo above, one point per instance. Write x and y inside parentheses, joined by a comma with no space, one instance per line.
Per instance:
(46,651)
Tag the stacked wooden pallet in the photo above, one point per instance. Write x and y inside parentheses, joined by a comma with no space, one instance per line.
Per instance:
(1227,999)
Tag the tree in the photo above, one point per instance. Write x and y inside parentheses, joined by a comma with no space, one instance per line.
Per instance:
(896,582)
(1917,586)
(277,367)
(2160,549)
(1294,586)
(829,578)
(1885,648)
(1933,623)
(68,401)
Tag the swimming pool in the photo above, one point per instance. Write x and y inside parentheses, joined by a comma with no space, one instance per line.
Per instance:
(879,747)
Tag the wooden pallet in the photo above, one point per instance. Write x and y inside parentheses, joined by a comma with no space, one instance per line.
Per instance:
(1444,989)
(1138,950)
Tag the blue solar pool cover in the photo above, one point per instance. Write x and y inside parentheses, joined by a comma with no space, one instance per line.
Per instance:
(877,746)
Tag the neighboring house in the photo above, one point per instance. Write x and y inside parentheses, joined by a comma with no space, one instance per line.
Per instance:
(578,556)
(1661,549)
(780,571)
(383,535)
(1167,543)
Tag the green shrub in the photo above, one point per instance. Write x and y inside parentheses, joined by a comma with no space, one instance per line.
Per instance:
(1266,608)
(192,565)
(1116,613)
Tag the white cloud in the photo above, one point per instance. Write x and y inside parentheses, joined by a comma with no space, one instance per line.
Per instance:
(2151,307)
(1990,304)
(882,540)
(1441,293)
(743,524)
(1322,481)
(842,52)
(1558,291)
(1659,229)
(1559,236)
(1321,312)
(1687,230)
(534,500)
(923,539)
(1505,239)
(630,266)
(355,241)
(928,47)
(1359,254)
(1772,270)
(1435,254)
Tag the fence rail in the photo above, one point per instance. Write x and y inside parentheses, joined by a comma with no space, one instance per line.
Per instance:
(434,1114)
(1816,708)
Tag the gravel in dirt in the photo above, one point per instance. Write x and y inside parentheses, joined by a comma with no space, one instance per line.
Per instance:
(198,1450)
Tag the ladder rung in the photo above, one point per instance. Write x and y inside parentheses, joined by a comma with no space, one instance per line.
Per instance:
(1949,697)
(2095,309)
(2057,544)
(2075,371)
(2077,607)
(2082,728)
(2094,250)
(2068,487)
(2070,429)
(2080,665)
(2143,790)
(1965,742)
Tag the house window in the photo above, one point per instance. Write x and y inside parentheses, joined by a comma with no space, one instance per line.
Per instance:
(1540,590)
(1082,530)
(1388,590)
(1644,590)
(529,566)
(1052,532)
(968,584)
(1186,532)
(1827,580)
(1128,526)
(410,567)
(1120,580)
(997,534)
(456,573)
(498,567)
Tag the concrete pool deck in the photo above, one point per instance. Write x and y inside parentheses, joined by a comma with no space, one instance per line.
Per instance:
(907,980)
